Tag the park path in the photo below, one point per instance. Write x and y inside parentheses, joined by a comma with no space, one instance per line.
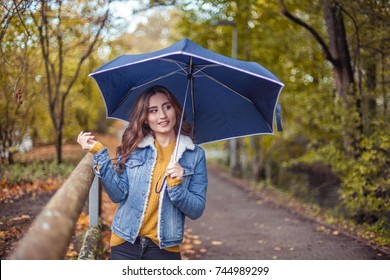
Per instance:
(239,223)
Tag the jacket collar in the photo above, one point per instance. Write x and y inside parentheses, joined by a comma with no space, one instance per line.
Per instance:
(185,143)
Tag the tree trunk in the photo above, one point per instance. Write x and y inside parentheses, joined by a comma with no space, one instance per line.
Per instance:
(235,164)
(11,158)
(344,75)
(337,53)
(59,145)
(338,46)
(55,57)
(371,83)
(257,166)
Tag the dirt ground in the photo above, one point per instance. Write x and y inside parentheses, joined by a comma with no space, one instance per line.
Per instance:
(16,217)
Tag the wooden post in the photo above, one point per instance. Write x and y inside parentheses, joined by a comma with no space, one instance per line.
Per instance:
(91,239)
(94,203)
(90,246)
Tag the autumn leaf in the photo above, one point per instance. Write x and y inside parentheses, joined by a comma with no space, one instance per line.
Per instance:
(20,218)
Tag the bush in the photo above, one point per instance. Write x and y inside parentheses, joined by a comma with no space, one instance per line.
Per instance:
(366,185)
(34,170)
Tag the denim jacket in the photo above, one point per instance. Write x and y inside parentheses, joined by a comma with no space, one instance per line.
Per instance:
(131,188)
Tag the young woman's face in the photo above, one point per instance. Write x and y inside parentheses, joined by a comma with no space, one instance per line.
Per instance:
(161,115)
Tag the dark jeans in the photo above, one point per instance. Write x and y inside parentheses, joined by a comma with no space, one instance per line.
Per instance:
(142,249)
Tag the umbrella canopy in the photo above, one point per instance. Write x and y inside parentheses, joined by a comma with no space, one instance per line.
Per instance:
(222,97)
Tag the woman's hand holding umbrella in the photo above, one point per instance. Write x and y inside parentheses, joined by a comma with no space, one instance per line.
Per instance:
(174,170)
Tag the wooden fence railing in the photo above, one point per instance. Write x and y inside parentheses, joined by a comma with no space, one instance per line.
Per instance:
(49,236)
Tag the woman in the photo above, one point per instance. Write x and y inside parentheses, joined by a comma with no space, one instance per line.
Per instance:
(149,221)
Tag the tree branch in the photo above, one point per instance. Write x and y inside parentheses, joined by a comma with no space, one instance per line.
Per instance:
(313,32)
(87,54)
(60,53)
(43,34)
(154,4)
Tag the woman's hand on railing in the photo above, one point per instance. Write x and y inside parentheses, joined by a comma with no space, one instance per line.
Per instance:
(86,140)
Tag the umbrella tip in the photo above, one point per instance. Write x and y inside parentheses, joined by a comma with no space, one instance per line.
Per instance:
(279,117)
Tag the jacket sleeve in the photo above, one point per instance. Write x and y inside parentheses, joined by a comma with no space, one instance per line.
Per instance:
(191,200)
(116,185)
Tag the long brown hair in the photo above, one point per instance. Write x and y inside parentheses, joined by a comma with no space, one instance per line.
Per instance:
(138,129)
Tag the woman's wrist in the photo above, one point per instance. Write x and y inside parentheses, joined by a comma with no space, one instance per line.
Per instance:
(96,148)
(173,182)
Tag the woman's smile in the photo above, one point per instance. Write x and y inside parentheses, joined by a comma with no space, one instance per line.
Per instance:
(164,123)
(161,117)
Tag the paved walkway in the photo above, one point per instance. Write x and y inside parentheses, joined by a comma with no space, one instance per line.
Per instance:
(239,224)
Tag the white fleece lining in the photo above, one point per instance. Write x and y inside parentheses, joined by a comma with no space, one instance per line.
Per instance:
(149,187)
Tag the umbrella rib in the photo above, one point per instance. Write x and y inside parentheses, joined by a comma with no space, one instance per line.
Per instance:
(178,63)
(136,87)
(229,88)
(222,84)
(204,67)
(159,78)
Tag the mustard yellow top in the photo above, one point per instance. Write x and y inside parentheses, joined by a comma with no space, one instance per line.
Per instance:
(150,219)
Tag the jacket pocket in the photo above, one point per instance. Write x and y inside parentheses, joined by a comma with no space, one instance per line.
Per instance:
(135,169)
(134,162)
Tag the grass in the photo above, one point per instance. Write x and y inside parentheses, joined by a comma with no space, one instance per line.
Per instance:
(34,171)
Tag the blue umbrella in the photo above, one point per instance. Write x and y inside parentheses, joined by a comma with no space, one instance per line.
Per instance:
(223,97)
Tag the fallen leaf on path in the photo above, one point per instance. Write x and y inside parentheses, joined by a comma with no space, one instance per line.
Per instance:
(216,243)
(11,192)
(20,218)
(83,221)
(322,229)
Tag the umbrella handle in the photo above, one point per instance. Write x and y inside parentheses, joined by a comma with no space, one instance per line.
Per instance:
(164,183)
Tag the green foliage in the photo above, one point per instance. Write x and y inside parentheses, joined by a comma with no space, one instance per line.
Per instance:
(366,183)
(34,170)
(18,91)
(363,170)
(24,72)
